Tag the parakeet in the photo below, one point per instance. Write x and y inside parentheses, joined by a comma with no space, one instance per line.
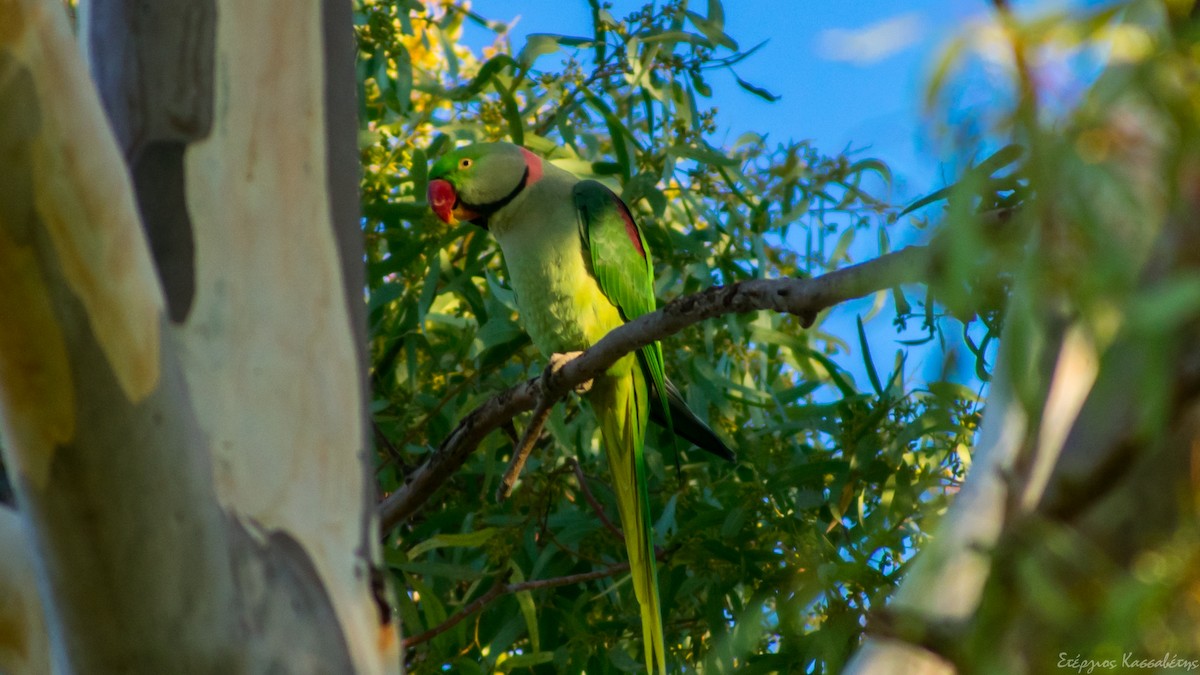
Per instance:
(580,266)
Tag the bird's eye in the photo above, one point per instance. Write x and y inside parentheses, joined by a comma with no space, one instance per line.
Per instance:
(465,163)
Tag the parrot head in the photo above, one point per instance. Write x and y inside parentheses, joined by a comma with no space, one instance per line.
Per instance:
(473,182)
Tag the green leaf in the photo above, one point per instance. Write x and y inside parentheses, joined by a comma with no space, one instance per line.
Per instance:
(1167,305)
(467,539)
(429,289)
(835,373)
(793,394)
(665,526)
(420,174)
(512,115)
(394,212)
(702,153)
(403,85)
(606,168)
(874,165)
(502,293)
(757,91)
(713,26)
(623,661)
(868,362)
(936,195)
(443,570)
(716,14)
(673,37)
(842,248)
(734,523)
(902,306)
(537,658)
(497,332)
(538,44)
(978,173)
(487,72)
(618,132)
(998,160)
(528,610)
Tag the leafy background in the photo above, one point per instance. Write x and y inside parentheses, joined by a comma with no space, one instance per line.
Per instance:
(772,561)
(778,562)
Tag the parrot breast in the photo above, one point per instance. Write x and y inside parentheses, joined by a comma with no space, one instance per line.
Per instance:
(560,303)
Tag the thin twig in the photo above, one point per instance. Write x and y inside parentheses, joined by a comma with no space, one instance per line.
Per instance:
(522,450)
(424,421)
(602,71)
(453,620)
(591,499)
(393,453)
(544,520)
(500,589)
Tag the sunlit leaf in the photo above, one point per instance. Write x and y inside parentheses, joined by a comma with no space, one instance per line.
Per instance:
(538,44)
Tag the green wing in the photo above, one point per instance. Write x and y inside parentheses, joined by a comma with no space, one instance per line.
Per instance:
(621,263)
(623,267)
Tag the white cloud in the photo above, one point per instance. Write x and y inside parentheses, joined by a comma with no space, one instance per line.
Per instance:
(871,43)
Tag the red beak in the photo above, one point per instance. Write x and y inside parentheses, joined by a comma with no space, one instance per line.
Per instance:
(442,198)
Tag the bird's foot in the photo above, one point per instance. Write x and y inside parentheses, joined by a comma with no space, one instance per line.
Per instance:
(558,360)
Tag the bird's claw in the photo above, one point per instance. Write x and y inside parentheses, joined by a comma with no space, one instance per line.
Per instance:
(558,360)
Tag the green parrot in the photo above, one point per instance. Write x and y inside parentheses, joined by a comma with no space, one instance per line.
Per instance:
(579,266)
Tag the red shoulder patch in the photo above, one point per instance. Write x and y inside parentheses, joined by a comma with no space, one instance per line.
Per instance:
(630,227)
(534,164)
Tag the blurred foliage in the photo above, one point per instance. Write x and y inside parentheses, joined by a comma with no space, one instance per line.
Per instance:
(1106,102)
(770,563)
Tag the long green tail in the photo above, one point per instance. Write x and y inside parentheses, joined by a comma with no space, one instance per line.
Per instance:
(621,408)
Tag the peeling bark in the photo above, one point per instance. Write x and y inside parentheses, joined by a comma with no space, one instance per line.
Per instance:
(183,405)
(153,65)
(24,643)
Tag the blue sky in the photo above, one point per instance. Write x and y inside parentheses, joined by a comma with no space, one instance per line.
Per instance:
(850,74)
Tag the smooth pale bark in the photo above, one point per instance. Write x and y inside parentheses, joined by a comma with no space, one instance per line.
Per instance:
(189,465)
(119,507)
(24,644)
(270,322)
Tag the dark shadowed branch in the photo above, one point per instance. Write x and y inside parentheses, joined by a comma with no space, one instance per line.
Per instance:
(501,588)
(801,297)
(522,448)
(591,500)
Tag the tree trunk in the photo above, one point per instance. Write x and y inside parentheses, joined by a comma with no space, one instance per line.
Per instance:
(181,361)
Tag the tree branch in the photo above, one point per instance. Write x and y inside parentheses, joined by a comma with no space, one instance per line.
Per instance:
(522,449)
(500,588)
(801,297)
